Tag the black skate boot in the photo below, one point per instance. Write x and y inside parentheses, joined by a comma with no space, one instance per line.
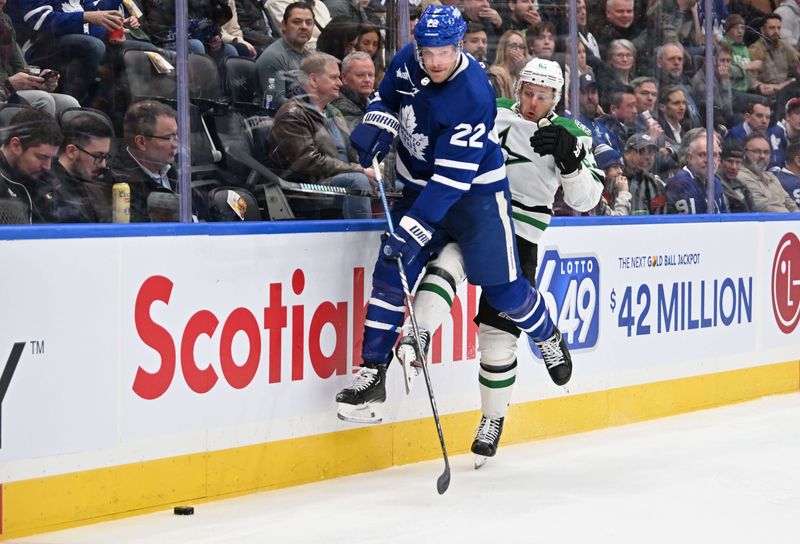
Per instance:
(357,401)
(410,358)
(556,357)
(487,439)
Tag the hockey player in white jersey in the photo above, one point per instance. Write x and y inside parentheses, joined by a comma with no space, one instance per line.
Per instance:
(540,155)
(455,188)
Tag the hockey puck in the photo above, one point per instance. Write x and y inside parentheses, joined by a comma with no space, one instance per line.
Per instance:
(183,510)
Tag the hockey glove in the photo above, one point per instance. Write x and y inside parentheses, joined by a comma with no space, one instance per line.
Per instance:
(408,239)
(374,136)
(564,147)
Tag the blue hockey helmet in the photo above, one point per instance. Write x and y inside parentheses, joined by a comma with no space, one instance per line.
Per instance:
(439,26)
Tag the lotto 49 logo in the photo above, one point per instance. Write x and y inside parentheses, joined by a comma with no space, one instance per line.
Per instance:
(570,287)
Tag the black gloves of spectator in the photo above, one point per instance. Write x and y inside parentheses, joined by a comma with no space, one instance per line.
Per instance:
(564,147)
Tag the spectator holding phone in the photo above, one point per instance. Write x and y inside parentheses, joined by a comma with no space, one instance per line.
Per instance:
(67,36)
(33,85)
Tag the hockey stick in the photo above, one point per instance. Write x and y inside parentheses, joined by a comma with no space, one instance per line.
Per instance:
(297,187)
(444,479)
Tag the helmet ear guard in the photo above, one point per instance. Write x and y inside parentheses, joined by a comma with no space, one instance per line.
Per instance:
(546,73)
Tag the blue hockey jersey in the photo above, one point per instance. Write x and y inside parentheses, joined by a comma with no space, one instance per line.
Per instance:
(448,143)
(790,182)
(776,136)
(686,195)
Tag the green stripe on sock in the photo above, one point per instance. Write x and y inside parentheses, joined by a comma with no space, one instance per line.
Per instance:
(497,385)
(530,220)
(433,288)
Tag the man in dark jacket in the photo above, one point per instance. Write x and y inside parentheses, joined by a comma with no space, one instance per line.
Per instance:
(358,83)
(82,193)
(310,141)
(146,162)
(26,157)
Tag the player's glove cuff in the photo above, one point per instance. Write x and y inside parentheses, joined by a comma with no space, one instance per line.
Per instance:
(409,238)
(383,120)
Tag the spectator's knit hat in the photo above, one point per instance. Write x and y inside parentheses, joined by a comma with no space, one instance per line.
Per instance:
(733,20)
(640,141)
(586,81)
(606,156)
(792,104)
(732,150)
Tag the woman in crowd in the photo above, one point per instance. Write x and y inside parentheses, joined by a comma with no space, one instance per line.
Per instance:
(511,58)
(370,41)
(619,69)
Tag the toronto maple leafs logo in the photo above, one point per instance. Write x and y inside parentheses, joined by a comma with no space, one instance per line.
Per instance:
(415,143)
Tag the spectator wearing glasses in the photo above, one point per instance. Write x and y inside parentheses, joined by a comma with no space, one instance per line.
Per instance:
(768,193)
(511,58)
(686,190)
(146,160)
(619,69)
(83,195)
(30,144)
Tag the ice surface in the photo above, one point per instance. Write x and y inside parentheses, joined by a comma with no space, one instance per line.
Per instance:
(729,475)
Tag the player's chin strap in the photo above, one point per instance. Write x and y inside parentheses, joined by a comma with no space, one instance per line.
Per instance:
(444,479)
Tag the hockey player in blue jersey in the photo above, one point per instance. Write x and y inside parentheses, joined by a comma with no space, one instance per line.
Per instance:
(455,188)
(526,128)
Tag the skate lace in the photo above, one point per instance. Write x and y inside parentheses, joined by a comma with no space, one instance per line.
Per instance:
(488,430)
(364,379)
(551,351)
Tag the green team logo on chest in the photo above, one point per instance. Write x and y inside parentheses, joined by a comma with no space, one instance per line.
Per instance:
(513,156)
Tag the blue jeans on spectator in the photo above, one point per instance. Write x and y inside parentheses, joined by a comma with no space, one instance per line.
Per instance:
(197,47)
(76,57)
(354,207)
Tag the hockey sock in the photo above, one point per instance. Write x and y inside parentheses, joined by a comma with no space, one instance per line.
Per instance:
(496,384)
(498,369)
(434,298)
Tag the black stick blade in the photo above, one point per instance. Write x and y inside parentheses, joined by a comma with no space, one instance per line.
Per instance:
(444,480)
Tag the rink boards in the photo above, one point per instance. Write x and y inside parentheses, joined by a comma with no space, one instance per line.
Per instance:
(144,367)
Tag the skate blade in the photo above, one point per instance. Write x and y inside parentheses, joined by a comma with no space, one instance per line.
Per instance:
(480,460)
(359,413)
(410,370)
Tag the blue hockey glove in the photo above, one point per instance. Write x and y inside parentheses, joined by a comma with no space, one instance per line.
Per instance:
(409,237)
(374,136)
(564,147)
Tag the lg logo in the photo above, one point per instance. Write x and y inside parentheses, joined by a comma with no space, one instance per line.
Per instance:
(786,283)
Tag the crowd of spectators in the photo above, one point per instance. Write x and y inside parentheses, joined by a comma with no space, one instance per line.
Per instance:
(642,94)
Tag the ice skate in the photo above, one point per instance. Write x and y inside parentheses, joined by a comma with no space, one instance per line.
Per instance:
(556,357)
(359,402)
(487,439)
(410,359)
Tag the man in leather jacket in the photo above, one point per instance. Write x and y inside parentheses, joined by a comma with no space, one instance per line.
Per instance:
(310,141)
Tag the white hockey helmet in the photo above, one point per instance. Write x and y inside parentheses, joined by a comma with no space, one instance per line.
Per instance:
(546,73)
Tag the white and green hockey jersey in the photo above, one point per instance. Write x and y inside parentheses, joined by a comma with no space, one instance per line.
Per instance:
(534,179)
